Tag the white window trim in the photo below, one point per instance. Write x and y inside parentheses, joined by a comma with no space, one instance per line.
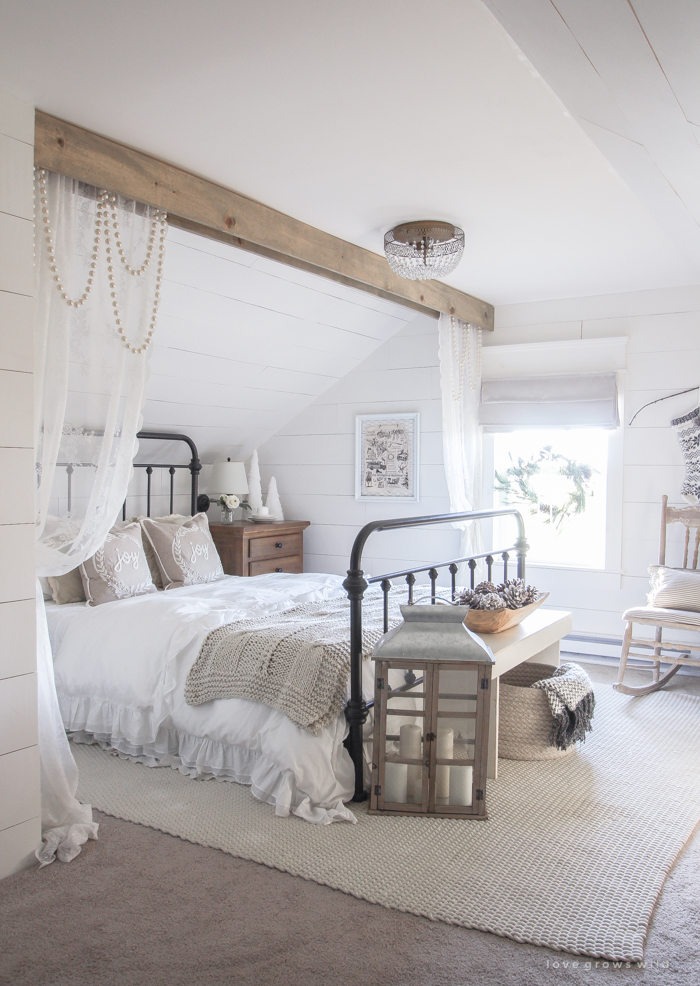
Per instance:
(588,356)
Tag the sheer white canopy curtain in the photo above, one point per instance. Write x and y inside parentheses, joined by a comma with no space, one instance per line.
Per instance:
(99,265)
(460,380)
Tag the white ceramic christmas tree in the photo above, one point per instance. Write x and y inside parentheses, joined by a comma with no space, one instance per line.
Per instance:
(254,484)
(273,501)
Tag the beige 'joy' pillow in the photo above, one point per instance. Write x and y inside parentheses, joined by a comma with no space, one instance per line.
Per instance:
(148,547)
(119,569)
(185,552)
(674,589)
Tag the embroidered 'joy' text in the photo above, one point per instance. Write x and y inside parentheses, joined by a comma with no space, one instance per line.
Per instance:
(199,550)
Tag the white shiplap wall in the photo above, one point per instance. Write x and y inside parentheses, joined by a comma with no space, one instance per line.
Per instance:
(663,356)
(313,459)
(20,831)
(244,344)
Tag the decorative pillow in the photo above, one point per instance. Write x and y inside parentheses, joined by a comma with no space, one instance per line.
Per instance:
(674,589)
(67,588)
(185,552)
(119,569)
(148,547)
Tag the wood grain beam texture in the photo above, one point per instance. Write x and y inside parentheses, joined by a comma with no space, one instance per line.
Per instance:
(204,207)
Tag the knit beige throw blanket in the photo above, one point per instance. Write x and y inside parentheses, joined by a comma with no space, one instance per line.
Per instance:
(298,661)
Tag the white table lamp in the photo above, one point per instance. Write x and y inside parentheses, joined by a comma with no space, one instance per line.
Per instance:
(228,477)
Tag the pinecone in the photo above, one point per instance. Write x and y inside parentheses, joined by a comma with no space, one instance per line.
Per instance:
(514,593)
(488,600)
(464,596)
(486,587)
(532,594)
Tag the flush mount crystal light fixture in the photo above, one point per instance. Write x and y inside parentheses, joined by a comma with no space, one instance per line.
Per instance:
(422,250)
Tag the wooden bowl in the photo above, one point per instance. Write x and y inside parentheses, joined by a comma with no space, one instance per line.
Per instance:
(497,620)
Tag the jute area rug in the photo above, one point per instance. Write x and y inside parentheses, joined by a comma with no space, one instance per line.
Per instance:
(573,856)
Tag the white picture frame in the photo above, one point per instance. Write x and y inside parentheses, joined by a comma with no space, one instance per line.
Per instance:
(387,449)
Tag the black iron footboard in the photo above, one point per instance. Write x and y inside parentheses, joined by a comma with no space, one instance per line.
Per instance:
(355,584)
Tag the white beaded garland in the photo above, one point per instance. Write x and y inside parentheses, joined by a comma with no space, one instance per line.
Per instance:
(109,228)
(112,230)
(43,176)
(463,354)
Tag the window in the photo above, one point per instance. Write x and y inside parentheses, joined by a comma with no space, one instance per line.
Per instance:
(558,479)
(558,422)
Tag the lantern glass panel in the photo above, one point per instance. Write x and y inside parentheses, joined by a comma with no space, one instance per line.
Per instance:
(456,732)
(403,695)
(405,739)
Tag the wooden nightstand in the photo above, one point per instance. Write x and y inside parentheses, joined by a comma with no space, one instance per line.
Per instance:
(246,548)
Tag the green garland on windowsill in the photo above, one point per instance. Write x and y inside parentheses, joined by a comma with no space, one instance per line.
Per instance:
(515,485)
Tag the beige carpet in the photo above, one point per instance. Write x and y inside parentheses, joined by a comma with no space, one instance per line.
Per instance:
(573,856)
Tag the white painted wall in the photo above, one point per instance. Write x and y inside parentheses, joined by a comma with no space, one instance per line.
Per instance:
(313,459)
(244,344)
(20,831)
(663,356)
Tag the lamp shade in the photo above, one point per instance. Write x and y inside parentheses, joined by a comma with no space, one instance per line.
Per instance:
(227,477)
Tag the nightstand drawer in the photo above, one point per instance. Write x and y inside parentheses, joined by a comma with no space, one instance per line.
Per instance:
(247,548)
(292,564)
(274,547)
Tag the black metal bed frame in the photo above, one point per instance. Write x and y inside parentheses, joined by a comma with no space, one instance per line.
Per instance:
(356,710)
(356,584)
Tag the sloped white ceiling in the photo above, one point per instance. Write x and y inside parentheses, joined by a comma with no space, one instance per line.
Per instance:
(244,344)
(356,116)
(629,72)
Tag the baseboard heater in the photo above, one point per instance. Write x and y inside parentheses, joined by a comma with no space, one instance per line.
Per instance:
(601,644)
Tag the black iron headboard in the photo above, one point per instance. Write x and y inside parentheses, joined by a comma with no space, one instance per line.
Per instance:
(197,502)
(194,466)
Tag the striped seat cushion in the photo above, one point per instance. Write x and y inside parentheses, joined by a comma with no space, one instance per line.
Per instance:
(656,615)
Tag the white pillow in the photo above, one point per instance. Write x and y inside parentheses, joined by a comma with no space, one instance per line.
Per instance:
(674,589)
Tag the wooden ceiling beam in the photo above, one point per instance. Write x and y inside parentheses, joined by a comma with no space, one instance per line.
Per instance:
(195,203)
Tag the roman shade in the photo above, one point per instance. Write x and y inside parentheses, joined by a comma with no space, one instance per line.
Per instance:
(570,401)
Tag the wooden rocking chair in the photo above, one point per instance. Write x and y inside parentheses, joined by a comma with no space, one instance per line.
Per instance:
(664,619)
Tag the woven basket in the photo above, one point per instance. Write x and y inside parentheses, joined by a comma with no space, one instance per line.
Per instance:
(524,716)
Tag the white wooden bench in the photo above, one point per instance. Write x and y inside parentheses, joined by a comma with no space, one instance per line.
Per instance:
(536,639)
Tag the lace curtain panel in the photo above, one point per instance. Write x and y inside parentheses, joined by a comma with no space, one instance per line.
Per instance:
(98,268)
(460,382)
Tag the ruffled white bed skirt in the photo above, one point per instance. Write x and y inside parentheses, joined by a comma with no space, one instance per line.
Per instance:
(128,733)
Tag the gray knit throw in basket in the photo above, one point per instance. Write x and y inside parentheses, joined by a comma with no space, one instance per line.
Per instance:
(528,725)
(570,694)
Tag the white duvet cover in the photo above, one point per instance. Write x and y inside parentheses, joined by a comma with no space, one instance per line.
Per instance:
(120,676)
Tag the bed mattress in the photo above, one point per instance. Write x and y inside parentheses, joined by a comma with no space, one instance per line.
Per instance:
(120,673)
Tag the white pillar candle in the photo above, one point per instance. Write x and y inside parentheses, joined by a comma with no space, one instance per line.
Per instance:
(461,785)
(263,511)
(461,778)
(445,745)
(395,783)
(410,747)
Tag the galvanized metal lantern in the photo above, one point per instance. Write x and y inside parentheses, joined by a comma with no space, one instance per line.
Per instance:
(431,716)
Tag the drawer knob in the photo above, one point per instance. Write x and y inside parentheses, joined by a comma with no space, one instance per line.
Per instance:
(278,569)
(278,544)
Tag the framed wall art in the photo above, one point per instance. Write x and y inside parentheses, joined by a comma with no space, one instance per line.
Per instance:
(386,456)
